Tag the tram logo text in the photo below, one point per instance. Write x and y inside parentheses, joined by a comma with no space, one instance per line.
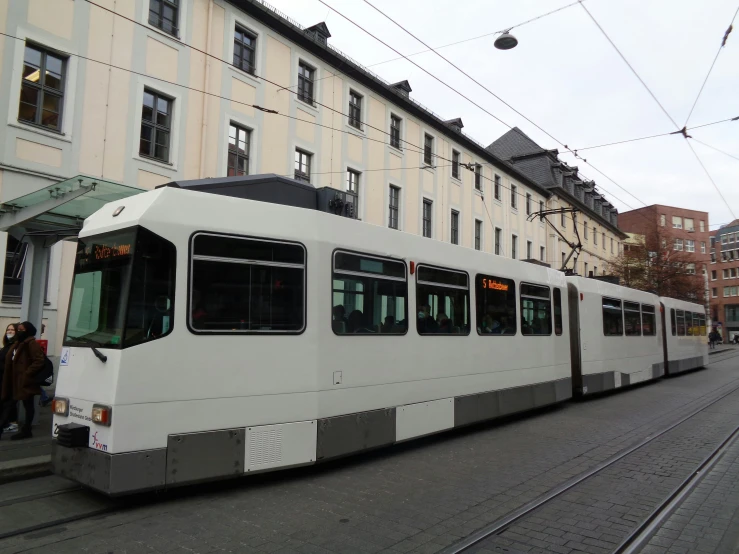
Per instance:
(495,285)
(98,445)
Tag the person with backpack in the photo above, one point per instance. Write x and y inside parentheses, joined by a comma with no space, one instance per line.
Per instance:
(9,413)
(23,362)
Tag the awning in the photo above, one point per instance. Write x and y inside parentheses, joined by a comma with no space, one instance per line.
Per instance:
(60,207)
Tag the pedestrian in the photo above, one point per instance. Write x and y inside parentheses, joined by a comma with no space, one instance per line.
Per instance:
(712,339)
(24,360)
(9,408)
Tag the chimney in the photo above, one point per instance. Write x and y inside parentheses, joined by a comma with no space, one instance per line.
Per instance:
(319,32)
(455,124)
(402,87)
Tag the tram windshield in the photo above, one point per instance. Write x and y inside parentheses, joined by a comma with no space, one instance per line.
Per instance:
(123,290)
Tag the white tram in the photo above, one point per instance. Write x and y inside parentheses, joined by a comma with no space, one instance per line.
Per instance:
(616,335)
(210,337)
(684,327)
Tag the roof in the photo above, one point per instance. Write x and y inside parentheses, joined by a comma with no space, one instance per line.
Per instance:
(514,143)
(61,206)
(396,93)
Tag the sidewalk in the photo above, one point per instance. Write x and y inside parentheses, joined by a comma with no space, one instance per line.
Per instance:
(28,457)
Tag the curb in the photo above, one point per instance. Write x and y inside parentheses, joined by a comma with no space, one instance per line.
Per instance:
(25,468)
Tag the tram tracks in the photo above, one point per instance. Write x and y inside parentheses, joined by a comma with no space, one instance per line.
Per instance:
(638,537)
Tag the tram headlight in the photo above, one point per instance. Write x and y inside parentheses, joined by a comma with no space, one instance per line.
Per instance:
(101,414)
(60,406)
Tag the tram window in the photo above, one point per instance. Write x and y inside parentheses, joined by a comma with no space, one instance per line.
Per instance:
(613,323)
(680,323)
(632,319)
(536,310)
(703,330)
(648,320)
(689,322)
(496,305)
(443,300)
(557,311)
(673,319)
(244,285)
(123,289)
(370,295)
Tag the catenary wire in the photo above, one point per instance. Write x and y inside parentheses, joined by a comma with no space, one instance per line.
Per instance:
(680,131)
(710,69)
(463,96)
(716,149)
(318,103)
(345,115)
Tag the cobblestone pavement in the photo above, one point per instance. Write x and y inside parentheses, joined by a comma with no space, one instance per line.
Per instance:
(428,494)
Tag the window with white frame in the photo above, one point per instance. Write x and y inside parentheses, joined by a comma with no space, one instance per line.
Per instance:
(703,247)
(611,246)
(585,229)
(689,224)
(713,275)
(677,222)
(702,226)
(454,226)
(238,150)
(352,185)
(302,165)
(306,76)
(455,164)
(690,268)
(355,109)
(497,193)
(514,247)
(478,234)
(393,207)
(595,236)
(714,292)
(498,239)
(528,204)
(395,127)
(428,149)
(42,88)
(563,220)
(164,15)
(478,177)
(427,205)
(514,196)
(662,220)
(542,254)
(678,244)
(603,242)
(156,126)
(245,50)
(529,250)
(690,246)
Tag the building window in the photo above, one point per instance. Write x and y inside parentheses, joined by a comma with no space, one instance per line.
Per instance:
(528,204)
(714,292)
(42,89)
(662,220)
(595,270)
(724,239)
(595,236)
(726,291)
(393,206)
(514,247)
(514,196)
(678,244)
(585,269)
(689,226)
(238,150)
(395,123)
(156,125)
(585,230)
(713,242)
(478,177)
(498,237)
(497,187)
(352,185)
(603,237)
(302,165)
(428,149)
(427,218)
(725,274)
(564,257)
(702,226)
(542,254)
(164,14)
(306,74)
(690,246)
(529,250)
(541,207)
(245,45)
(455,164)
(563,220)
(677,222)
(455,227)
(703,247)
(355,110)
(478,234)
(611,246)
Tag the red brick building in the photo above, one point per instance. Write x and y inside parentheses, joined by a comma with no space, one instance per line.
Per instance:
(724,279)
(687,229)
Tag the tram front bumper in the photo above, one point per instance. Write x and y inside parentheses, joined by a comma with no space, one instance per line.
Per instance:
(111,474)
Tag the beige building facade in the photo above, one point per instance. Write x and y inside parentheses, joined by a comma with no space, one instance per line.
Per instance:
(144,92)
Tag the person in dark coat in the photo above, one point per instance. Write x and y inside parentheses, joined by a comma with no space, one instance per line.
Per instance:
(22,362)
(9,408)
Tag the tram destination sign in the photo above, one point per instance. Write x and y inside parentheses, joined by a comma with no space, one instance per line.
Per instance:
(99,250)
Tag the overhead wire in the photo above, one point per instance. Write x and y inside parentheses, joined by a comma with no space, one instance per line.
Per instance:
(682,131)
(710,69)
(407,143)
(716,149)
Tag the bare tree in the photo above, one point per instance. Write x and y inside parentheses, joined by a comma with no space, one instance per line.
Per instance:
(654,264)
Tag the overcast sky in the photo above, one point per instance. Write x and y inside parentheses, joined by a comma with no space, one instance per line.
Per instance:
(567,78)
